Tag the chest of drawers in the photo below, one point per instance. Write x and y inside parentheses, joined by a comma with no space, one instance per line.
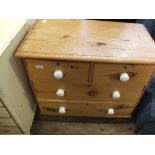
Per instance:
(88,68)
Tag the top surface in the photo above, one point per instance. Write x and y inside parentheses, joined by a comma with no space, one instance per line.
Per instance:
(89,40)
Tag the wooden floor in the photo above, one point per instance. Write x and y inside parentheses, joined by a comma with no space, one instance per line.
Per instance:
(45,125)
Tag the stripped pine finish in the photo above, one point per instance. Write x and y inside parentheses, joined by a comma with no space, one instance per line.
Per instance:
(89,40)
(86,92)
(88,68)
(86,109)
(73,70)
(105,73)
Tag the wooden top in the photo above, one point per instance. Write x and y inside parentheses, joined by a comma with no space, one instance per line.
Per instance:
(89,40)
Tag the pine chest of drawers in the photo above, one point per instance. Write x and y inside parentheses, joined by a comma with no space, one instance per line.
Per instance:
(87,67)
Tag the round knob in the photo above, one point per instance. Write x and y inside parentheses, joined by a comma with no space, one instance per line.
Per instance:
(60,93)
(62,110)
(124,77)
(116,95)
(58,74)
(110,111)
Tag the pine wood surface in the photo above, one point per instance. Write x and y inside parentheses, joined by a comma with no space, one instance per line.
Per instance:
(92,55)
(85,92)
(86,109)
(110,73)
(100,73)
(89,40)
(73,71)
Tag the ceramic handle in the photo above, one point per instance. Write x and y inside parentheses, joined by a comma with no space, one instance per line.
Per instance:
(116,95)
(110,111)
(60,93)
(58,74)
(124,77)
(62,110)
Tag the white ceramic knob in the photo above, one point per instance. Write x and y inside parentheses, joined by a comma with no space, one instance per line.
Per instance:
(58,74)
(116,95)
(62,110)
(60,93)
(124,77)
(110,111)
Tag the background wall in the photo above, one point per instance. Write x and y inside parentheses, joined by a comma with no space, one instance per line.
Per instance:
(15,91)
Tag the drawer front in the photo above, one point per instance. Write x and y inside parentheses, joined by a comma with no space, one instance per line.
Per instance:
(86,109)
(85,92)
(43,70)
(110,73)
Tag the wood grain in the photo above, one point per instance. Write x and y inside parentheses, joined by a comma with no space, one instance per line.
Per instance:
(110,73)
(72,70)
(86,92)
(89,40)
(45,127)
(92,55)
(86,109)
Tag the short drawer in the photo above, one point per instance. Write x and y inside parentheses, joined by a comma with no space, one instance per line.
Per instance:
(86,109)
(85,92)
(44,70)
(110,73)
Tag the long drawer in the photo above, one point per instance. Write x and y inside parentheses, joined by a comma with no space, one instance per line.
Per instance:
(85,92)
(110,73)
(86,108)
(43,70)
